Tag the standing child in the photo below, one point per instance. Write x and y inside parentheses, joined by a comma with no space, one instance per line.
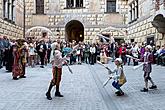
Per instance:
(147,68)
(118,76)
(57,62)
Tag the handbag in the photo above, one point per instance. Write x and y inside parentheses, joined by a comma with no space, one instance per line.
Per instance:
(122,78)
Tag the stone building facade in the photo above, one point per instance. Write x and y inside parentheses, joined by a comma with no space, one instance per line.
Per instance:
(77,19)
(81,20)
(140,24)
(11,17)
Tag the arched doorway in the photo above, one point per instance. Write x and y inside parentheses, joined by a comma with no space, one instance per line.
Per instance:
(74,30)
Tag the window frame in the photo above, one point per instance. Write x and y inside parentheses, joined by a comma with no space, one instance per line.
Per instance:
(8,10)
(134,11)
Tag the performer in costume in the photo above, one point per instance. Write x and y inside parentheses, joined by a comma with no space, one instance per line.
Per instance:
(118,76)
(147,68)
(19,60)
(57,62)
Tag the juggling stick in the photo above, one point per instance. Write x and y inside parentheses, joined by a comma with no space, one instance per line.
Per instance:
(103,65)
(129,56)
(106,82)
(138,66)
(70,70)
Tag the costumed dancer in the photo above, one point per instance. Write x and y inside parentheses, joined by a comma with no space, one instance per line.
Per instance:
(57,62)
(19,60)
(118,76)
(147,68)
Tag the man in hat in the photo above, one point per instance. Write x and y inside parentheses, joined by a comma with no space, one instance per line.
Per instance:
(147,68)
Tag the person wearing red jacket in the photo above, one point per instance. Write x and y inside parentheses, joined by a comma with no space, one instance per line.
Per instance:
(122,53)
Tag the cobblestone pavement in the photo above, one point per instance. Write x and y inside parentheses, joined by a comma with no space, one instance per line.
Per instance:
(79,90)
(133,98)
(82,90)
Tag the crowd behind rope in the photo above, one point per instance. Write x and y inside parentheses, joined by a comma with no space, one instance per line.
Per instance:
(39,52)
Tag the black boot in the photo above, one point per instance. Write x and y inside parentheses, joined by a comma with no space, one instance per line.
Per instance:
(22,76)
(153,87)
(48,95)
(117,92)
(144,90)
(15,78)
(120,93)
(57,93)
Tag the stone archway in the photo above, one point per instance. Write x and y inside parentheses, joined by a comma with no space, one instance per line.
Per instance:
(74,30)
(159,23)
(42,28)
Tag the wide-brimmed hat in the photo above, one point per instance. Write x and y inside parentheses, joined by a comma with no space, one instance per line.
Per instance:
(20,42)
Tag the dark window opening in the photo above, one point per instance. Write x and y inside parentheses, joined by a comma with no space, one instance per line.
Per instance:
(74,3)
(132,40)
(8,10)
(79,3)
(39,6)
(4,8)
(70,3)
(111,6)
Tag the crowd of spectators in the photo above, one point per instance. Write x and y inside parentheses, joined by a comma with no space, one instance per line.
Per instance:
(38,52)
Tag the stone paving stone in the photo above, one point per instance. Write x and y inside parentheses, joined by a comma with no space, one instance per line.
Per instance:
(82,90)
(134,99)
(79,90)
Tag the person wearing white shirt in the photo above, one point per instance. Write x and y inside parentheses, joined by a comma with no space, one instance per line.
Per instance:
(57,62)
(92,51)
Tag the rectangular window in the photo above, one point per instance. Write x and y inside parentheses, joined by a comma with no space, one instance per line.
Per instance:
(5,8)
(111,6)
(133,12)
(74,3)
(70,3)
(79,3)
(39,6)
(13,10)
(8,11)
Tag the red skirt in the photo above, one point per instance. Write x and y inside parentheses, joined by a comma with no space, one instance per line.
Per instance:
(17,70)
(57,72)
